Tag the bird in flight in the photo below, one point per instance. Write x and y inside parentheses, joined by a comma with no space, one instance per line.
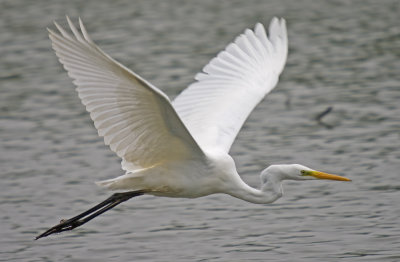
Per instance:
(178,148)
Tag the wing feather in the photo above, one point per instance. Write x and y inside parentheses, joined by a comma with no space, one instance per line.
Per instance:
(135,118)
(215,107)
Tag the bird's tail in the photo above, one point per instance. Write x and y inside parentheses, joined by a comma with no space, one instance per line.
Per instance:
(124,182)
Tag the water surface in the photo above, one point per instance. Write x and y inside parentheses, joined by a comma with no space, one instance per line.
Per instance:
(342,54)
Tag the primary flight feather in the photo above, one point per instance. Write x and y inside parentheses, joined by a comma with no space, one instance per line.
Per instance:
(215,107)
(178,149)
(135,118)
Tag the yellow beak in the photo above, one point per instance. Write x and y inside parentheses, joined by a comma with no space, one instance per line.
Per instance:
(322,175)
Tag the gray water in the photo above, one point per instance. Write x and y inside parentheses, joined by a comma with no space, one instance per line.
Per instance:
(343,54)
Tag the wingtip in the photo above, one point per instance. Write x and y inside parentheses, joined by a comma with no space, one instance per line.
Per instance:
(259,28)
(55,23)
(273,24)
(69,21)
(51,32)
(84,32)
(276,22)
(277,28)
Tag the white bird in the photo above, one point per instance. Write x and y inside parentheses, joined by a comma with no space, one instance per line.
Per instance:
(179,148)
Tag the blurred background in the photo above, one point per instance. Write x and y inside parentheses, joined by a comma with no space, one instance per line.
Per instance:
(342,54)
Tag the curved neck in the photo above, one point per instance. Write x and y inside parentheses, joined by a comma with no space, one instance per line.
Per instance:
(270,191)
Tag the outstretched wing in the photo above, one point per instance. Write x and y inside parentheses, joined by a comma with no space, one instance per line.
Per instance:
(135,118)
(215,106)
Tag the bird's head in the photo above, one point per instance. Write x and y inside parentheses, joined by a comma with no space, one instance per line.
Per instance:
(296,172)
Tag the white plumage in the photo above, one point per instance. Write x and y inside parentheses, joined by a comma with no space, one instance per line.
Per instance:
(177,149)
(215,107)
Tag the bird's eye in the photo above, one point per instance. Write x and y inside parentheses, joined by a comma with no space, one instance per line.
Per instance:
(303,172)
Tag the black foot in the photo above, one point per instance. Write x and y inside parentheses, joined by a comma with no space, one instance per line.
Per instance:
(88,215)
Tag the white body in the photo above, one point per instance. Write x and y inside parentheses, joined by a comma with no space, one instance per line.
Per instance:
(191,178)
(180,149)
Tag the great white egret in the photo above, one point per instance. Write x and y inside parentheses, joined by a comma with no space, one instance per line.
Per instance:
(179,148)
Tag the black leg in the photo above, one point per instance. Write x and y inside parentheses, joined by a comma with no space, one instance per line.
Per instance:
(95,211)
